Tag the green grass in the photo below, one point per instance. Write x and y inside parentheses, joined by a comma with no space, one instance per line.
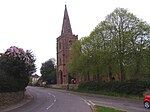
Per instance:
(105,109)
(108,93)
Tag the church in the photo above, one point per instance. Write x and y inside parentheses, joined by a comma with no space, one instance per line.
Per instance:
(64,43)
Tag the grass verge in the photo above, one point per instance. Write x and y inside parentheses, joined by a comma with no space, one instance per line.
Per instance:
(108,93)
(105,109)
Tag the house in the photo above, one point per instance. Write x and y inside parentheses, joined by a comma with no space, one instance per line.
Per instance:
(34,79)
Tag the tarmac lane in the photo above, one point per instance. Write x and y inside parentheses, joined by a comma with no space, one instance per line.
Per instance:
(54,100)
(129,105)
(47,100)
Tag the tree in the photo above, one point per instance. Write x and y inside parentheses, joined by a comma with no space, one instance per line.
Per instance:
(31,68)
(118,45)
(128,33)
(103,50)
(16,65)
(140,42)
(48,71)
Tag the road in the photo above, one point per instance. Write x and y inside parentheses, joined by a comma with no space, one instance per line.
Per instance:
(129,105)
(46,100)
(50,100)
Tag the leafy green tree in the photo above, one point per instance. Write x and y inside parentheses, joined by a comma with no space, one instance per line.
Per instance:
(129,33)
(146,61)
(76,64)
(103,50)
(74,53)
(139,44)
(118,45)
(48,71)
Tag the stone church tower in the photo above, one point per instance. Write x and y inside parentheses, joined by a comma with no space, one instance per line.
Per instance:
(64,42)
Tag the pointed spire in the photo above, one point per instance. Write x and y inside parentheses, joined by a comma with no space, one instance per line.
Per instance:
(66,27)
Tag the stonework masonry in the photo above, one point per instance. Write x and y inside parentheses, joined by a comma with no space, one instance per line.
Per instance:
(7,99)
(64,43)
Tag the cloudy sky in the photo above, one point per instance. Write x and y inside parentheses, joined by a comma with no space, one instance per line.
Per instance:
(35,24)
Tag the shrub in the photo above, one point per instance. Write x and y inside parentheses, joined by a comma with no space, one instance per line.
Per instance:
(10,84)
(130,87)
(16,66)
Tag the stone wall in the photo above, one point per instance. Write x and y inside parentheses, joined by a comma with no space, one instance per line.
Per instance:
(11,98)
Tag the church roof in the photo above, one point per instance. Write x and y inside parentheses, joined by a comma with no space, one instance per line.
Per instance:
(66,27)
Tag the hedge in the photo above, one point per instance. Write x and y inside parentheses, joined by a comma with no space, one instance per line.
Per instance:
(130,87)
(11,84)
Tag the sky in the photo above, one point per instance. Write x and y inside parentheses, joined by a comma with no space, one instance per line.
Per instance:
(35,24)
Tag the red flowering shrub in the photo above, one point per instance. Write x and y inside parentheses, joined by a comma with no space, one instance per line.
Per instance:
(18,64)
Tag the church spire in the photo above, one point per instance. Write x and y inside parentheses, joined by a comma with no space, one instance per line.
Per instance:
(66,27)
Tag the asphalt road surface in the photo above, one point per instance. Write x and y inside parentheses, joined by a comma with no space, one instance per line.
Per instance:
(46,100)
(50,100)
(129,105)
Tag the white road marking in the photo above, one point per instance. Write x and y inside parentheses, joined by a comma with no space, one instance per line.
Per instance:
(91,102)
(50,106)
(53,95)
(88,102)
(53,101)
